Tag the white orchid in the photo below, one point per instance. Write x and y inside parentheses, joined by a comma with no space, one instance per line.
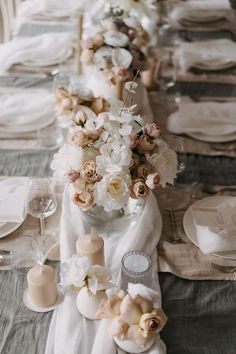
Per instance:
(67,158)
(79,272)
(164,162)
(112,192)
(114,158)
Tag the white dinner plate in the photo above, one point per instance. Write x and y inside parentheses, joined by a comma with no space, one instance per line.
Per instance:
(35,308)
(215,65)
(30,127)
(213,138)
(9,227)
(189,226)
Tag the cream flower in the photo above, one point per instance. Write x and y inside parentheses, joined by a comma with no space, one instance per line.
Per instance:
(130,312)
(134,333)
(74,270)
(89,172)
(66,159)
(139,189)
(84,199)
(72,175)
(112,192)
(146,144)
(111,307)
(118,328)
(152,322)
(153,180)
(116,39)
(165,163)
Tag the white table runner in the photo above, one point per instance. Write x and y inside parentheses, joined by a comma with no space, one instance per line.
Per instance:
(69,331)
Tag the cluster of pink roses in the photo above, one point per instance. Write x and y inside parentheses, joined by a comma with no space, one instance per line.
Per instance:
(132,318)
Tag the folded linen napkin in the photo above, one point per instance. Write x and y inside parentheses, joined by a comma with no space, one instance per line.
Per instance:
(211,118)
(218,234)
(25,106)
(211,55)
(12,200)
(42,50)
(198,11)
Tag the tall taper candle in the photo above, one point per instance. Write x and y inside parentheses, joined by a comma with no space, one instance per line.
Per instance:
(91,246)
(79,49)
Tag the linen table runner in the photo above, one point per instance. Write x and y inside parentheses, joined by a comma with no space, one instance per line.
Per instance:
(69,331)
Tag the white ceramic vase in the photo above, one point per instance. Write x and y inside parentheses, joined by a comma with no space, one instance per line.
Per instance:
(131,347)
(87,303)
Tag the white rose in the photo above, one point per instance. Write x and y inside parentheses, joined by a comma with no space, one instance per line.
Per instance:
(67,158)
(112,192)
(74,271)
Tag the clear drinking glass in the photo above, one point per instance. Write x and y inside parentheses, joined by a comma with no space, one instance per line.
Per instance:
(136,267)
(41,203)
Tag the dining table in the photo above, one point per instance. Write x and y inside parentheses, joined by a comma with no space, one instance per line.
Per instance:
(197,296)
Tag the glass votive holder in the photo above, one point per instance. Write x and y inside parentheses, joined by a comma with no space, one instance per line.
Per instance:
(136,268)
(51,136)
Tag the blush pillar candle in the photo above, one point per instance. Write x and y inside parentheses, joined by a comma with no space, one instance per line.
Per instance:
(91,246)
(42,286)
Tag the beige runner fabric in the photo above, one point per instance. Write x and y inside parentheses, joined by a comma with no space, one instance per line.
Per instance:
(185,259)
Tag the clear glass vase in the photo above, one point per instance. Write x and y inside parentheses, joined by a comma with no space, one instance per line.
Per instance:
(97,216)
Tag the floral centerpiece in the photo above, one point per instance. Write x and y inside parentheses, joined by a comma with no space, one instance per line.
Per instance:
(90,281)
(71,100)
(135,322)
(112,157)
(116,50)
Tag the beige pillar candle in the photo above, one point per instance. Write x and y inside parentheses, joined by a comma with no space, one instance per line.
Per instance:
(119,89)
(42,287)
(79,48)
(148,76)
(91,246)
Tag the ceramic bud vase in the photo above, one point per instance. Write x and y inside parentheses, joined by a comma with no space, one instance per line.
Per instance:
(130,346)
(87,303)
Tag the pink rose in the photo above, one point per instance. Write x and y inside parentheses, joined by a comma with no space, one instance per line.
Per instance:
(153,180)
(81,185)
(98,40)
(89,173)
(153,322)
(152,130)
(146,144)
(133,142)
(93,134)
(144,170)
(139,189)
(79,138)
(87,56)
(87,43)
(84,200)
(122,73)
(72,176)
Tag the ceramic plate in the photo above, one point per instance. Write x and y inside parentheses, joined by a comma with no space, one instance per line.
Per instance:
(30,127)
(190,228)
(215,65)
(34,308)
(213,138)
(9,227)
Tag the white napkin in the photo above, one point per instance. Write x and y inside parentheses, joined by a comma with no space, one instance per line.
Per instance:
(25,106)
(213,54)
(220,235)
(42,50)
(211,118)
(13,194)
(69,331)
(199,11)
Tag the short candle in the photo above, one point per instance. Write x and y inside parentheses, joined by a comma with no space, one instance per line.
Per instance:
(42,287)
(91,246)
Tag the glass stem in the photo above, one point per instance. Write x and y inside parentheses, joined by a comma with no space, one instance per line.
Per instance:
(42,227)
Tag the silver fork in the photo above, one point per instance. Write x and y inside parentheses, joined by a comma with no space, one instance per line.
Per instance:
(175,237)
(223,269)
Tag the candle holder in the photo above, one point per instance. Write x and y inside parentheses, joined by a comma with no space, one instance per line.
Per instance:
(135,268)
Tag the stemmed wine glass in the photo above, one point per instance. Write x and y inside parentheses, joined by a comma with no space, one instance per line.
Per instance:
(41,203)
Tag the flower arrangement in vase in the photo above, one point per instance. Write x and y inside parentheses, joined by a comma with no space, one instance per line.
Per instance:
(135,322)
(90,281)
(112,158)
